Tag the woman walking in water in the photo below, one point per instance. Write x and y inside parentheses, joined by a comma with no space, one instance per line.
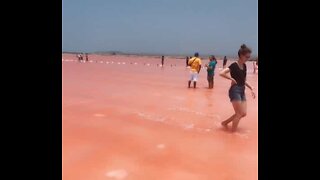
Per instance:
(238,73)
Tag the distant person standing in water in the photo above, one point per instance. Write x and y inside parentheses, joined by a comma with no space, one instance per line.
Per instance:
(87,58)
(195,67)
(187,60)
(238,73)
(225,62)
(79,57)
(162,60)
(210,69)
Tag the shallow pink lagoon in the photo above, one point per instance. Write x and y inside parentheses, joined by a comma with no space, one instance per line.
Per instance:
(124,117)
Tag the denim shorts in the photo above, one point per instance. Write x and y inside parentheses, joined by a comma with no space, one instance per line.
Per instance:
(236,93)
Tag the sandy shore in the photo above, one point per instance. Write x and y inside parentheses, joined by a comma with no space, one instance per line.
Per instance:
(124,117)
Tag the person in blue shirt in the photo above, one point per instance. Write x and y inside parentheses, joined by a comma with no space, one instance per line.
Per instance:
(210,69)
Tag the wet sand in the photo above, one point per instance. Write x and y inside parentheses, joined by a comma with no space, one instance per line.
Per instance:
(130,121)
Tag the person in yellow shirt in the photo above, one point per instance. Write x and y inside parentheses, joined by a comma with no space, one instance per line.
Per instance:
(195,67)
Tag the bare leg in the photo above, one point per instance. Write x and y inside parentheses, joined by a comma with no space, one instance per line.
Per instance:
(235,117)
(235,122)
(226,122)
(189,83)
(211,83)
(241,112)
(194,84)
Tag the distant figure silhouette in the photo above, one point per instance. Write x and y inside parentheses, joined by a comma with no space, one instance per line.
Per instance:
(225,62)
(79,57)
(187,60)
(87,58)
(162,60)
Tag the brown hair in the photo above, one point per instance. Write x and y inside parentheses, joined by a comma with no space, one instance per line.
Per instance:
(243,50)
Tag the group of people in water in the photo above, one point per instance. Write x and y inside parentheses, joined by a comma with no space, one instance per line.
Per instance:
(80,57)
(195,66)
(236,73)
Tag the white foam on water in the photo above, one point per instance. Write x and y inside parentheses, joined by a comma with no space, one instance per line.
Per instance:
(188,126)
(135,63)
(99,115)
(161,146)
(91,61)
(183,109)
(117,174)
(217,124)
(123,63)
(151,117)
(208,130)
(218,117)
(119,63)
(148,64)
(244,136)
(178,98)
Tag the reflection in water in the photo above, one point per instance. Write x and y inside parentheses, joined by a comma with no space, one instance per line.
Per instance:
(191,98)
(208,98)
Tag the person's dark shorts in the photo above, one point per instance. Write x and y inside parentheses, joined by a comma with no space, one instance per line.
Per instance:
(210,78)
(237,93)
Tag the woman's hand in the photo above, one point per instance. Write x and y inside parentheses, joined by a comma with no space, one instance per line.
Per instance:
(251,88)
(253,94)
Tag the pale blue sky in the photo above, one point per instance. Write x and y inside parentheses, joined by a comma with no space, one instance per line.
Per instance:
(160,26)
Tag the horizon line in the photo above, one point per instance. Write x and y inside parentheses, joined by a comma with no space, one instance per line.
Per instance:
(146,53)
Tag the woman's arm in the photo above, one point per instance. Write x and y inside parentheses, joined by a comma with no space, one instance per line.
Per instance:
(225,73)
(249,86)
